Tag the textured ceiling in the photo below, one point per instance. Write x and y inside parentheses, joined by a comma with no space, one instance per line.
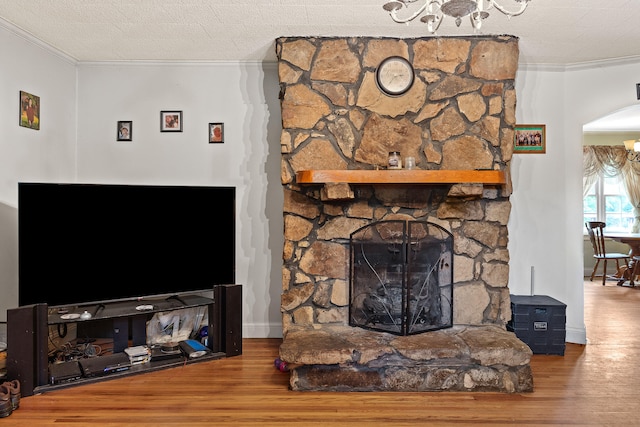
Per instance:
(550,31)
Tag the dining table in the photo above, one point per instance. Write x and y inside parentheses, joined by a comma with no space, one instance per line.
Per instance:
(633,240)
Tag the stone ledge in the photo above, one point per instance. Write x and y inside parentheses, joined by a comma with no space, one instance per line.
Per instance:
(462,358)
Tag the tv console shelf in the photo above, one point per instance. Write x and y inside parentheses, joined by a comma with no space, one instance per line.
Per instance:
(127,308)
(28,329)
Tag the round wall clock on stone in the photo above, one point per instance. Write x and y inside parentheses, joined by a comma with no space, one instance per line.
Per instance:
(395,76)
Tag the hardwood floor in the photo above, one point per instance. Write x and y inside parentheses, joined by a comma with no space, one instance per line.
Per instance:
(592,385)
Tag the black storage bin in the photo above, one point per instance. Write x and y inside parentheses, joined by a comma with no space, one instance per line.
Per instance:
(539,321)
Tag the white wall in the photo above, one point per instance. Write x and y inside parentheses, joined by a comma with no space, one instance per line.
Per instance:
(545,260)
(242,96)
(80,146)
(27,154)
(546,221)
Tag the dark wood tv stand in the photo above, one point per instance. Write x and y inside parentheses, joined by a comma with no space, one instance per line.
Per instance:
(28,329)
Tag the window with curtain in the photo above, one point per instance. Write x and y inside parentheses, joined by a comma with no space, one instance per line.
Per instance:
(611,188)
(607,201)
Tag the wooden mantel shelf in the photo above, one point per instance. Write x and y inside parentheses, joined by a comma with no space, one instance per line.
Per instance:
(401,176)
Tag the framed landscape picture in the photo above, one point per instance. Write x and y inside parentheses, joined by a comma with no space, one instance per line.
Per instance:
(530,139)
(29,110)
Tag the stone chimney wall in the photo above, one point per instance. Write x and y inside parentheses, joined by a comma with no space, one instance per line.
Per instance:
(459,114)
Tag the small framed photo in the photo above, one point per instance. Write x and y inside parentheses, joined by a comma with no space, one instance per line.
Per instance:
(530,139)
(125,130)
(29,110)
(216,133)
(170,121)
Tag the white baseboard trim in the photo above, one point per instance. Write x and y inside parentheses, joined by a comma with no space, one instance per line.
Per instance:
(262,330)
(576,335)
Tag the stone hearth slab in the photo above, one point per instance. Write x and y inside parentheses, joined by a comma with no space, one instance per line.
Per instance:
(461,358)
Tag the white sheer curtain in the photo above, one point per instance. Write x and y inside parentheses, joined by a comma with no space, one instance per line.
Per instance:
(610,161)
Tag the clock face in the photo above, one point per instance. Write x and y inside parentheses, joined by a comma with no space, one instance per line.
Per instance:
(395,76)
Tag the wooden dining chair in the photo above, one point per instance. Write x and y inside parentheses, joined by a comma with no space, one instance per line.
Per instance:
(634,265)
(596,235)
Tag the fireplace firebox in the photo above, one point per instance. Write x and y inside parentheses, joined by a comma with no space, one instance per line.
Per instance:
(401,277)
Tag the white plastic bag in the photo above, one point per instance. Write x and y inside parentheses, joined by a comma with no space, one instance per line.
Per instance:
(174,326)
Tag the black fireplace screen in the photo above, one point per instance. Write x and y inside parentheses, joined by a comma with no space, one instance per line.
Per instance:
(401,277)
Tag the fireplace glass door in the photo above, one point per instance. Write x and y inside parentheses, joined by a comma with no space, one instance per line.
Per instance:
(401,277)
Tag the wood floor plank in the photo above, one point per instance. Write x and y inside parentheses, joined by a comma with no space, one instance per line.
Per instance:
(591,385)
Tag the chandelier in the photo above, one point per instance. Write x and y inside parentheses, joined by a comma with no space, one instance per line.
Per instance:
(432,12)
(633,150)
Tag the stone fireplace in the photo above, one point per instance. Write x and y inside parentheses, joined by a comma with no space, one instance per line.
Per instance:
(457,117)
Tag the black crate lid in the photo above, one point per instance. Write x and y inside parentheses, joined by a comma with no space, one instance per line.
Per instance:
(536,300)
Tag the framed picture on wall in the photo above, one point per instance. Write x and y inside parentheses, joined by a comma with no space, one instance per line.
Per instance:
(216,133)
(29,110)
(530,139)
(170,121)
(124,131)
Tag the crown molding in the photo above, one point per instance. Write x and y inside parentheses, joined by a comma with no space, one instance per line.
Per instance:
(30,38)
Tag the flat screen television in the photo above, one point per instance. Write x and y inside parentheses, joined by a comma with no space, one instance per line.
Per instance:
(88,243)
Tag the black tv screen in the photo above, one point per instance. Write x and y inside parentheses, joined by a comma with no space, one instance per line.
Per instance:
(87,243)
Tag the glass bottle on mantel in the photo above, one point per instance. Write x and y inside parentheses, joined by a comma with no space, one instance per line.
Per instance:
(395,161)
